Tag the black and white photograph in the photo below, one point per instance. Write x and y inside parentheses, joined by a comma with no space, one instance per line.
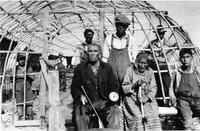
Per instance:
(99,65)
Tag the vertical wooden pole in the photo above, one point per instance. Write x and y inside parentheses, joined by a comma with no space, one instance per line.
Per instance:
(45,23)
(44,77)
(54,113)
(101,30)
(42,101)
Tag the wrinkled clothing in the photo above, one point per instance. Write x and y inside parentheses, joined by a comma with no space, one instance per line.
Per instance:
(132,107)
(188,95)
(120,44)
(162,65)
(134,119)
(189,107)
(19,87)
(189,85)
(36,82)
(81,54)
(119,61)
(177,76)
(85,118)
(83,76)
(97,87)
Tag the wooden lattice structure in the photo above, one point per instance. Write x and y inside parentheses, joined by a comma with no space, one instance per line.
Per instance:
(37,28)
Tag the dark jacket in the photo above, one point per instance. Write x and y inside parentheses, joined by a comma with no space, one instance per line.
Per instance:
(83,75)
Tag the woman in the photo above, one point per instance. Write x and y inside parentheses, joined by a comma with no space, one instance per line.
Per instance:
(140,106)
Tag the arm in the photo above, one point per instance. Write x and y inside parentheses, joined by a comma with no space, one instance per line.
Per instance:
(152,86)
(171,90)
(105,52)
(127,84)
(133,50)
(112,82)
(30,70)
(76,84)
(77,57)
(198,73)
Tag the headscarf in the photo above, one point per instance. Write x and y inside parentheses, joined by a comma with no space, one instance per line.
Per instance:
(141,55)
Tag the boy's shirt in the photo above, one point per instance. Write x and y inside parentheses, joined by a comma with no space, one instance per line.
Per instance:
(178,75)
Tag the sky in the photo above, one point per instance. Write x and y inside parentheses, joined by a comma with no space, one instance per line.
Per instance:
(185,13)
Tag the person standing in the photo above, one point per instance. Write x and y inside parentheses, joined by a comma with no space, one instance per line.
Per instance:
(185,88)
(119,49)
(158,43)
(20,90)
(81,50)
(98,81)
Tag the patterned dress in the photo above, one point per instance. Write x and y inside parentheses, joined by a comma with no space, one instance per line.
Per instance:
(134,121)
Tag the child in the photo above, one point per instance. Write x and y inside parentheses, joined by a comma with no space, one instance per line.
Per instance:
(186,90)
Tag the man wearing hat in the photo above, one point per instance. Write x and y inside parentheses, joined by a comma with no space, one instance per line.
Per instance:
(119,49)
(159,43)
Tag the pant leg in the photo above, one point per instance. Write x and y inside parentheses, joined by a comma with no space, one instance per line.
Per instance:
(113,117)
(80,118)
(29,112)
(20,111)
(166,82)
(186,112)
(196,107)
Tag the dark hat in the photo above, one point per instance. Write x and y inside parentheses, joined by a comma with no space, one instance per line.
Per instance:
(122,19)
(20,57)
(142,55)
(160,29)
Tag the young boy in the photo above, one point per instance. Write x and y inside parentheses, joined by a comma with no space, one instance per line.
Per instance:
(187,88)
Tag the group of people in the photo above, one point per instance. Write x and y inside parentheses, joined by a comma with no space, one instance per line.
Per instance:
(117,84)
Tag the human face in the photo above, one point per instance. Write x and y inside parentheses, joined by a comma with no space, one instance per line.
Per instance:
(121,28)
(21,62)
(161,35)
(142,65)
(94,53)
(89,37)
(186,59)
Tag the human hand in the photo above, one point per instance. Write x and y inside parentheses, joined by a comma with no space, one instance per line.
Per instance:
(140,82)
(83,99)
(143,99)
(172,98)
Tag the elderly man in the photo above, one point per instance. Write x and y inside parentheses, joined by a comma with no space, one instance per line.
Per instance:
(119,49)
(94,81)
(81,50)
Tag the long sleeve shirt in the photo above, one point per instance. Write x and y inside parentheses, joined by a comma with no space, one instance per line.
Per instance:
(132,76)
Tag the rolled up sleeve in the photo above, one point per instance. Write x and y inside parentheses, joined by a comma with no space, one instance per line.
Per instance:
(105,51)
(127,83)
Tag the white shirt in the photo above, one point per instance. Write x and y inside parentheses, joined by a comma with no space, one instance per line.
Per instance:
(78,52)
(120,44)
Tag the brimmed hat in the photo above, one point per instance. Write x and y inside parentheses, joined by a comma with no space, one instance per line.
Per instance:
(160,29)
(20,57)
(142,55)
(122,19)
